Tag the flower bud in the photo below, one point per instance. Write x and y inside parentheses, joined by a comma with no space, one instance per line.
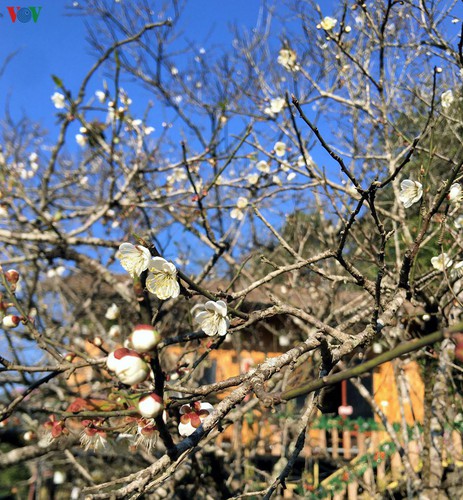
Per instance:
(28,436)
(128,366)
(11,321)
(69,357)
(112,360)
(114,332)
(113,312)
(12,276)
(97,341)
(150,406)
(144,338)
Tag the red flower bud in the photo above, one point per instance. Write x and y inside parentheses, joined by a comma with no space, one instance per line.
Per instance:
(11,321)
(150,406)
(144,338)
(12,276)
(128,366)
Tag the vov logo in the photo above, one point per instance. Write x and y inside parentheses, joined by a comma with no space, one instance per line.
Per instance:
(24,14)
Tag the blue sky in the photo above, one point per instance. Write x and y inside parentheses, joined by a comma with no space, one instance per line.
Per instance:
(56,44)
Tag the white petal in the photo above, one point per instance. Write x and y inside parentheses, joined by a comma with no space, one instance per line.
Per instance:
(222,327)
(221,307)
(207,406)
(407,183)
(185,429)
(134,258)
(207,323)
(163,285)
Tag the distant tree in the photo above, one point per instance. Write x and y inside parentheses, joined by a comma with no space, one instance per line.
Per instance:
(290,205)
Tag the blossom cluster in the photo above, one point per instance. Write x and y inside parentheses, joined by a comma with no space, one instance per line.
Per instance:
(162,281)
(162,275)
(10,321)
(132,364)
(411,193)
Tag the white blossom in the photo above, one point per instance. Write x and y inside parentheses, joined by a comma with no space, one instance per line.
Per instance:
(125,99)
(455,194)
(212,317)
(242,202)
(237,213)
(114,332)
(29,436)
(263,167)
(327,23)
(81,140)
(411,192)
(457,270)
(58,100)
(26,174)
(178,175)
(284,341)
(101,96)
(134,258)
(252,179)
(458,222)
(162,279)
(446,99)
(147,434)
(277,180)
(57,271)
(288,59)
(276,105)
(291,176)
(192,416)
(301,162)
(280,148)
(441,262)
(112,312)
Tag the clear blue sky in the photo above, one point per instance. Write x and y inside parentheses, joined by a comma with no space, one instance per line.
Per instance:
(56,44)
